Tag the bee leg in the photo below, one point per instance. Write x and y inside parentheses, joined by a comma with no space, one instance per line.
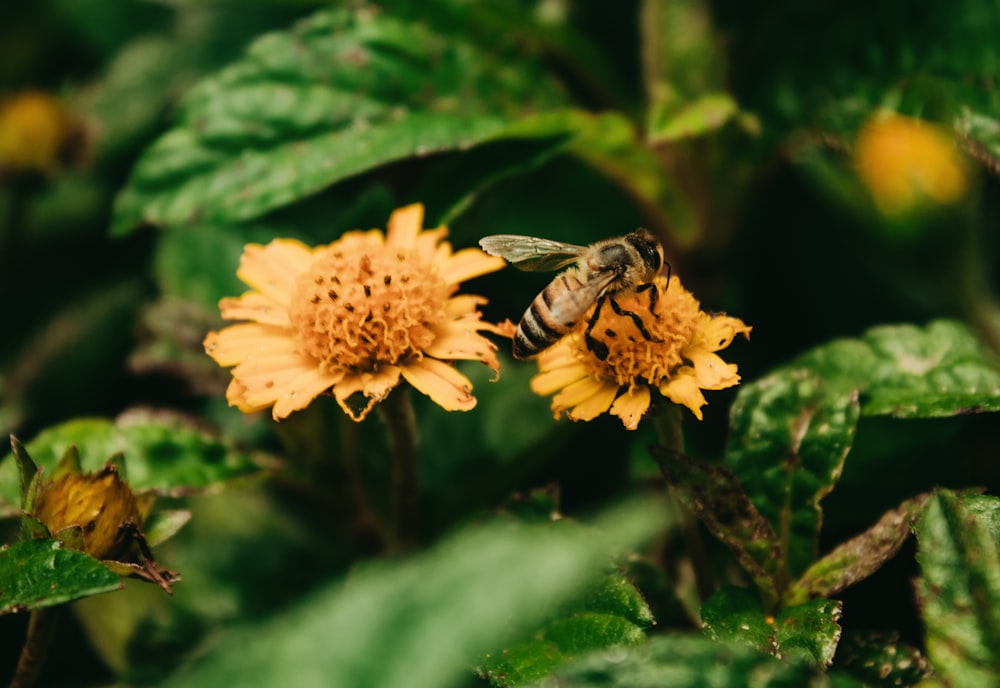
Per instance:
(599,348)
(635,318)
(654,297)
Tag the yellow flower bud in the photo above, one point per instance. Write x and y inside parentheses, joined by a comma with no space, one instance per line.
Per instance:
(100,504)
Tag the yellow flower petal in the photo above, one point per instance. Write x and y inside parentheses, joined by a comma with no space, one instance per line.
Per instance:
(236,343)
(447,387)
(469,263)
(272,269)
(458,341)
(256,307)
(236,396)
(553,379)
(631,406)
(463,304)
(431,247)
(719,331)
(289,383)
(300,392)
(374,386)
(577,393)
(683,389)
(404,226)
(266,372)
(596,403)
(711,371)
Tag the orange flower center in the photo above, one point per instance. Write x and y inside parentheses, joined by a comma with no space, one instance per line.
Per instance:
(362,304)
(632,356)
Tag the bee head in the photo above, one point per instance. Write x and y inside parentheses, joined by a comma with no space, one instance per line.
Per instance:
(648,247)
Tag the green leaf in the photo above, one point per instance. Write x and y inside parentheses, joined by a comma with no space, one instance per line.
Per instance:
(560,642)
(810,630)
(982,137)
(618,596)
(882,659)
(521,663)
(705,114)
(717,498)
(959,587)
(790,436)
(792,429)
(26,471)
(437,612)
(163,525)
(41,573)
(614,614)
(911,372)
(343,92)
(164,453)
(681,59)
(735,614)
(590,631)
(687,661)
(859,557)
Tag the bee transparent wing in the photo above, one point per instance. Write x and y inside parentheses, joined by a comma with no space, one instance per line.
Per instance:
(570,305)
(532,254)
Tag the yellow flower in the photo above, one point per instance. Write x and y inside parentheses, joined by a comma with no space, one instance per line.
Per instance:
(678,360)
(98,513)
(905,161)
(352,318)
(98,504)
(37,134)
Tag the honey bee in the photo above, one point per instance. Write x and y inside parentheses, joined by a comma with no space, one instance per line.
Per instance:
(599,272)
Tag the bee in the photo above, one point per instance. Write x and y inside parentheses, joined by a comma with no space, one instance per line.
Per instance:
(599,272)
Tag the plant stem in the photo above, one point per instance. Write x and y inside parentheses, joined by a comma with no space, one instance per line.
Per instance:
(397,413)
(324,445)
(671,436)
(368,528)
(41,629)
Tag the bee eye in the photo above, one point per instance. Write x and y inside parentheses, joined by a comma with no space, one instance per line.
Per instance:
(648,248)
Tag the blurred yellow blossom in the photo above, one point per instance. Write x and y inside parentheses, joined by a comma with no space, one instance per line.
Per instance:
(905,161)
(37,134)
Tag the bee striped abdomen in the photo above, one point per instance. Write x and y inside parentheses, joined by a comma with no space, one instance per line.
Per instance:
(542,325)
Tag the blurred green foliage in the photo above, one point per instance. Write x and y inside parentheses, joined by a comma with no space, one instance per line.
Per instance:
(731,130)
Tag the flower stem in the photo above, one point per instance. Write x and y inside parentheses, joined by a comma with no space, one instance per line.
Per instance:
(369,531)
(41,629)
(671,436)
(397,413)
(326,475)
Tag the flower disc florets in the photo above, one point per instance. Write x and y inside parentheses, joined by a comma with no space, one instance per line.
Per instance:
(358,309)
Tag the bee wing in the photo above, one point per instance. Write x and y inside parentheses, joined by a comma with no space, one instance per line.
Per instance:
(582,297)
(532,254)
